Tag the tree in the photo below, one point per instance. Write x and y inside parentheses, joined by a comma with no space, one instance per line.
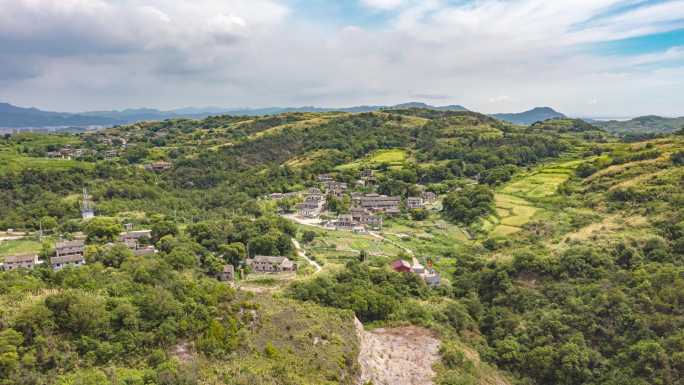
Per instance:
(233,253)
(678,157)
(419,214)
(163,228)
(102,229)
(308,236)
(10,341)
(470,203)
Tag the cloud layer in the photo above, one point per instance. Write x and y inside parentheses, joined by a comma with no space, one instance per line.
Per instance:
(490,55)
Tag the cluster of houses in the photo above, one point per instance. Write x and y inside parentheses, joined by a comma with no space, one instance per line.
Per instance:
(429,275)
(67,253)
(68,152)
(72,253)
(314,201)
(367,209)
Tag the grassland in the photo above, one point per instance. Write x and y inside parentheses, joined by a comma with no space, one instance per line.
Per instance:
(305,343)
(429,237)
(337,247)
(392,158)
(12,161)
(22,246)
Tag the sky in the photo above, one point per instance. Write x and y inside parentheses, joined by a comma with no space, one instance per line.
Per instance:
(593,58)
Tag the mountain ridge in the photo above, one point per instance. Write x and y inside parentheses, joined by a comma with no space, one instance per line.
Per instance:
(528,117)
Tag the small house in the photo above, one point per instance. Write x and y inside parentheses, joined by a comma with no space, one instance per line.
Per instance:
(413,203)
(26,261)
(270,264)
(159,166)
(141,251)
(324,178)
(401,266)
(227,274)
(432,278)
(72,260)
(68,248)
(345,222)
(135,236)
(428,196)
(366,173)
(310,208)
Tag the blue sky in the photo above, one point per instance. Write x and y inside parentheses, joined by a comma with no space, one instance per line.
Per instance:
(583,57)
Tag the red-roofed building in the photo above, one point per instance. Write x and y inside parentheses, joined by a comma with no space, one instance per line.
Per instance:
(401,266)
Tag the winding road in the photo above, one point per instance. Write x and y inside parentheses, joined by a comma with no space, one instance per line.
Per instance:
(302,253)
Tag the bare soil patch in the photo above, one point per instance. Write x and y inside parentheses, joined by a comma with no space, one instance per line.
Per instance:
(397,356)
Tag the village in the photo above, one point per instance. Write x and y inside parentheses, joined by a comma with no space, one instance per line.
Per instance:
(367,212)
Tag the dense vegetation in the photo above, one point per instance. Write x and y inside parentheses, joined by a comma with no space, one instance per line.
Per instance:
(585,286)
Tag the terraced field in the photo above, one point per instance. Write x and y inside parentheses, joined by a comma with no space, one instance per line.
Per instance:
(517,202)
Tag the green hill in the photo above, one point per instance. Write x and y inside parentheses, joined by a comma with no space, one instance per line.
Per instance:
(650,124)
(559,248)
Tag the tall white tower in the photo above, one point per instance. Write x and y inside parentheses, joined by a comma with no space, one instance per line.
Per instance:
(87,209)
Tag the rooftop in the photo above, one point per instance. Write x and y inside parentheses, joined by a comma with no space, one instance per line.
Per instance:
(74,243)
(21,258)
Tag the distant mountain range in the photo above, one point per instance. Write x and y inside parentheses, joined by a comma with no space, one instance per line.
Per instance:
(19,117)
(649,124)
(534,115)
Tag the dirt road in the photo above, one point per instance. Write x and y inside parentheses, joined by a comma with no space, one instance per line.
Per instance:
(302,254)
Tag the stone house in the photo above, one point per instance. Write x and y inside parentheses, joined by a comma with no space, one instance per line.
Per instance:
(324,178)
(413,203)
(309,208)
(227,274)
(382,203)
(72,260)
(26,261)
(270,264)
(428,196)
(345,222)
(158,166)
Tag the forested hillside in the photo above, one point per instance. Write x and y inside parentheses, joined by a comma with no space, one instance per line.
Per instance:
(560,250)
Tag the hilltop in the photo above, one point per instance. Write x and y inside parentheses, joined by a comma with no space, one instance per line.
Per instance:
(650,124)
(537,114)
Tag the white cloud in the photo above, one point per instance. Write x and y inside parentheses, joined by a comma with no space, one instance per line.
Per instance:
(382,4)
(485,54)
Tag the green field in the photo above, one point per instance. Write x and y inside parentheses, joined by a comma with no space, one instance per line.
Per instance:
(517,201)
(394,158)
(332,246)
(10,161)
(19,247)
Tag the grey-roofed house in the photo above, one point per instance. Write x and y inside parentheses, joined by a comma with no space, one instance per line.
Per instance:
(67,248)
(68,253)
(270,264)
(26,261)
(73,260)
(375,202)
